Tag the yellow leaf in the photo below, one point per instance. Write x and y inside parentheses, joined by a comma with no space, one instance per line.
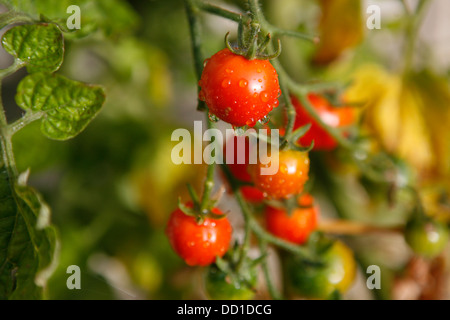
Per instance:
(409,115)
(340,28)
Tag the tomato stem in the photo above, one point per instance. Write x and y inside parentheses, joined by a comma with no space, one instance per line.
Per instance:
(195,32)
(6,131)
(412,29)
(196,40)
(267,276)
(207,7)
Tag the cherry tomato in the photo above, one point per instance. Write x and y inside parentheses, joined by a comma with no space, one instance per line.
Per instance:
(237,90)
(238,167)
(198,244)
(297,226)
(290,177)
(332,116)
(426,238)
(337,273)
(219,286)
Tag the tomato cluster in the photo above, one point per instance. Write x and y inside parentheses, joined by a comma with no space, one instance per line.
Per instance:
(242,92)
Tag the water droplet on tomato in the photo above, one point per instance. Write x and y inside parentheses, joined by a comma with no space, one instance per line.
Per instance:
(226,83)
(264,96)
(259,70)
(212,117)
(228,70)
(259,80)
(255,95)
(250,122)
(191,244)
(205,62)
(243,83)
(264,120)
(239,131)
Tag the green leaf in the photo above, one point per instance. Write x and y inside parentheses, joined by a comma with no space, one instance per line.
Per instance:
(67,106)
(27,241)
(39,46)
(112,17)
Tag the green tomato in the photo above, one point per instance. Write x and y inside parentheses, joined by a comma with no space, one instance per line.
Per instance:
(426,238)
(321,282)
(219,287)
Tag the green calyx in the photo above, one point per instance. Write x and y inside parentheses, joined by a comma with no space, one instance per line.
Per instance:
(252,44)
(194,208)
(232,277)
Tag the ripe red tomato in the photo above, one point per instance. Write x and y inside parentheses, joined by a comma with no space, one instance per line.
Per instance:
(297,226)
(293,168)
(332,116)
(243,148)
(198,244)
(237,90)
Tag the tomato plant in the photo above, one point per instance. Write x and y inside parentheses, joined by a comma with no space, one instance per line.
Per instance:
(95,93)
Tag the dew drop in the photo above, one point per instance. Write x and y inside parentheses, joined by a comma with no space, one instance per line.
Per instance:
(259,70)
(191,244)
(228,70)
(226,83)
(206,245)
(243,83)
(250,122)
(264,120)
(255,95)
(239,131)
(205,62)
(264,96)
(275,103)
(212,117)
(259,80)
